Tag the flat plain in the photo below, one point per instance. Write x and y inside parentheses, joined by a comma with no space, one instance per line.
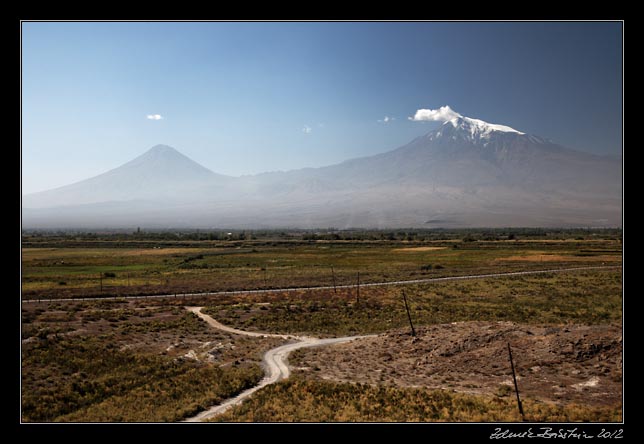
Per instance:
(162,363)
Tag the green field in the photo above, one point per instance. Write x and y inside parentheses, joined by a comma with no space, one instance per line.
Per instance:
(119,269)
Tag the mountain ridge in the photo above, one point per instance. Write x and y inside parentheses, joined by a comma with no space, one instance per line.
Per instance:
(466,171)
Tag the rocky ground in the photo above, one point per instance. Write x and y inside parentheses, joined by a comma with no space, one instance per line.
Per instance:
(568,363)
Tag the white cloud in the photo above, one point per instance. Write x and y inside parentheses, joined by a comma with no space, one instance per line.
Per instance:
(307,129)
(387,119)
(442,114)
(154,117)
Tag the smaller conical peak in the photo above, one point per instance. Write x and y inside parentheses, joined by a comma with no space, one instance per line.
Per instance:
(167,159)
(160,154)
(162,149)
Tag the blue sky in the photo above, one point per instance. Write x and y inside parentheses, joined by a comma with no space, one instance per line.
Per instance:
(244,98)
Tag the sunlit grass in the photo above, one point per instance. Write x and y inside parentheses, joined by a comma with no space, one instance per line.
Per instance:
(298,400)
(591,297)
(75,271)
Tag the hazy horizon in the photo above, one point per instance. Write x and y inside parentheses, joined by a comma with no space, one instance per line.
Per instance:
(248,98)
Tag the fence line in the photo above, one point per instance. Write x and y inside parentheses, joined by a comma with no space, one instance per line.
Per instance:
(345,286)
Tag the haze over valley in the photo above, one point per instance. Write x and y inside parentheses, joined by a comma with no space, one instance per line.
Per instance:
(465,173)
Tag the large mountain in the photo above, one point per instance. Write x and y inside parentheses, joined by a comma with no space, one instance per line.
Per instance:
(465,173)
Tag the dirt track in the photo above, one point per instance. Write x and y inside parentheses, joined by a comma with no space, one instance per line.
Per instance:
(275,361)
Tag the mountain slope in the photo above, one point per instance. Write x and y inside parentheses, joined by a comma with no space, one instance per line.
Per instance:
(463,153)
(161,173)
(465,173)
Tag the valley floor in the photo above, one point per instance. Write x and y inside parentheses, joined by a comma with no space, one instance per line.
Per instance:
(150,360)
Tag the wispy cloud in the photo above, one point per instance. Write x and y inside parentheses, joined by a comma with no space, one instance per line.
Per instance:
(154,117)
(307,129)
(386,119)
(442,114)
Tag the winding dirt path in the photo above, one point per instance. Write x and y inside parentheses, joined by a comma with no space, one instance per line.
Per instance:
(275,366)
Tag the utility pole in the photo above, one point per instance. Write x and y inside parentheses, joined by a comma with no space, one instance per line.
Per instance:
(413,331)
(335,290)
(358,290)
(100,280)
(265,281)
(516,387)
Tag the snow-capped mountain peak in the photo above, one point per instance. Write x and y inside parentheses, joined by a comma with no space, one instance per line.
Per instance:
(466,129)
(478,127)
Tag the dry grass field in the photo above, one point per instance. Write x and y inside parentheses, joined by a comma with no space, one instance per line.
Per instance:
(119,359)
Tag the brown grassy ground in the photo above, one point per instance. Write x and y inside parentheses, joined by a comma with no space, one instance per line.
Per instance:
(151,360)
(582,297)
(128,361)
(559,364)
(304,400)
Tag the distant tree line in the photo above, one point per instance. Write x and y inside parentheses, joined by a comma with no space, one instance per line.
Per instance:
(327,234)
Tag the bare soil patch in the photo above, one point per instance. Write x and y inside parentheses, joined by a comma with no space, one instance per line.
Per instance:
(411,249)
(161,251)
(562,364)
